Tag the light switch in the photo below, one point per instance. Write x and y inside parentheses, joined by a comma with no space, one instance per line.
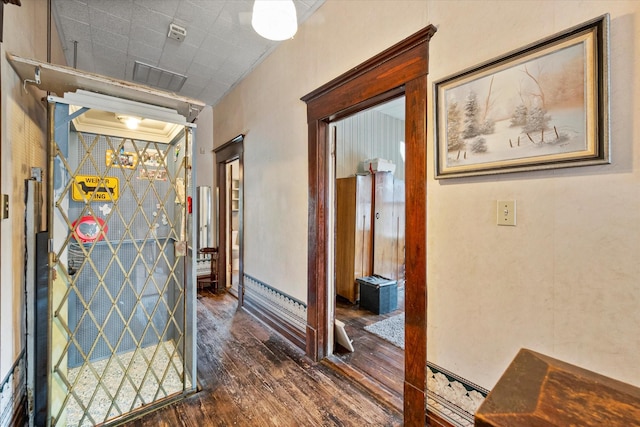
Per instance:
(4,209)
(506,212)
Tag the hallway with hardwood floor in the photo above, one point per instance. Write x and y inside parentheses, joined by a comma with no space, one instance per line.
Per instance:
(249,375)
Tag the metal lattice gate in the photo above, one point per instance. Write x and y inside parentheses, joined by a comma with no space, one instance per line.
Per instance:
(119,335)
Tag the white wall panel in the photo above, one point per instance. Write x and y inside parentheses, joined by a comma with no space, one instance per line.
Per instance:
(368,135)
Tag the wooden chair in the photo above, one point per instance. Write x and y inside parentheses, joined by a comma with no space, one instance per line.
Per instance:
(210,279)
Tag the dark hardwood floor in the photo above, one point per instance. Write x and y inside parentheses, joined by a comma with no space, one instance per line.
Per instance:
(376,364)
(251,376)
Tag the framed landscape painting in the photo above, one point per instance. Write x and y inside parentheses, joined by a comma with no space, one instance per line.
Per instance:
(544,106)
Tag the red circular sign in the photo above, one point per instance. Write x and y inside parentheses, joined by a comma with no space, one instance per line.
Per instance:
(89,229)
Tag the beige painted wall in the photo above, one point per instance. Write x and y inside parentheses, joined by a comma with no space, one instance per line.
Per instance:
(22,146)
(203,154)
(267,107)
(203,148)
(564,281)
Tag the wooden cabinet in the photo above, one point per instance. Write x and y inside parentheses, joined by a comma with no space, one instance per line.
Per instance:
(353,233)
(369,230)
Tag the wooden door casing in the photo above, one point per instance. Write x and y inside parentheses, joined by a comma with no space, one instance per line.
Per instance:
(401,69)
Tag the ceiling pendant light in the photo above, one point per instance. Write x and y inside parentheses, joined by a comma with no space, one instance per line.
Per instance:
(275,19)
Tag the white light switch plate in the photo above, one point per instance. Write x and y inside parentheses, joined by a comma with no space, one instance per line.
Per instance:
(4,209)
(506,212)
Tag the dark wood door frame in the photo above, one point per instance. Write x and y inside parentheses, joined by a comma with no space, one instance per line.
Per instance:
(226,153)
(400,69)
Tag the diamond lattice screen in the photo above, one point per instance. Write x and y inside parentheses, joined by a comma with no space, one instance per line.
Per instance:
(124,306)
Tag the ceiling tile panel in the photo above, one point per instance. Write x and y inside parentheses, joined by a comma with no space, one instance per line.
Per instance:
(177,56)
(107,57)
(214,90)
(119,8)
(192,91)
(200,80)
(108,22)
(228,74)
(239,12)
(200,71)
(210,6)
(164,7)
(219,49)
(74,9)
(195,16)
(219,46)
(143,52)
(107,38)
(195,36)
(147,18)
(84,61)
(75,30)
(149,37)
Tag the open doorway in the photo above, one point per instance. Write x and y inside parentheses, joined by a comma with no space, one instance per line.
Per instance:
(229,190)
(232,193)
(401,69)
(369,255)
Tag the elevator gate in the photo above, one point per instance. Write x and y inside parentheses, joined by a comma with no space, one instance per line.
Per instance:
(119,329)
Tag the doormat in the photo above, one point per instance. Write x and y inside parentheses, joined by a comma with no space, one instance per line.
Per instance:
(390,329)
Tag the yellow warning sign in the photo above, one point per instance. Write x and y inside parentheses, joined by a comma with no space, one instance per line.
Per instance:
(96,188)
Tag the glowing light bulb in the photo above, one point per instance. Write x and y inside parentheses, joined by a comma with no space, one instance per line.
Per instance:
(274,19)
(132,122)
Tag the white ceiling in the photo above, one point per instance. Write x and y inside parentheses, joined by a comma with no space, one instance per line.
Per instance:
(219,50)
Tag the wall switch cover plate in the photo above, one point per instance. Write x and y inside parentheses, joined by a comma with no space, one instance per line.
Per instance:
(4,211)
(506,212)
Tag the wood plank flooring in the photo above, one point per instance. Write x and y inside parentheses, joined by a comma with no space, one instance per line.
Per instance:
(376,363)
(252,376)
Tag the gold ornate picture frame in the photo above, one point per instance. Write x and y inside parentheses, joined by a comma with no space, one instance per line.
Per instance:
(544,106)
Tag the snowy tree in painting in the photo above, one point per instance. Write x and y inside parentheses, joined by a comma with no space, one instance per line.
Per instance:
(454,136)
(471,111)
(519,117)
(537,120)
(488,127)
(531,109)
(479,145)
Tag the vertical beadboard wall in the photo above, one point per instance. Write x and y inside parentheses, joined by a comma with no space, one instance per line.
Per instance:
(367,135)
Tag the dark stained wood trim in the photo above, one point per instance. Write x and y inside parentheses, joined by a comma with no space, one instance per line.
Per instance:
(435,420)
(400,69)
(380,393)
(367,70)
(317,253)
(229,151)
(415,242)
(279,324)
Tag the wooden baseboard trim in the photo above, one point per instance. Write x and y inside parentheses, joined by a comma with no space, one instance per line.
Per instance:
(264,314)
(434,420)
(379,391)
